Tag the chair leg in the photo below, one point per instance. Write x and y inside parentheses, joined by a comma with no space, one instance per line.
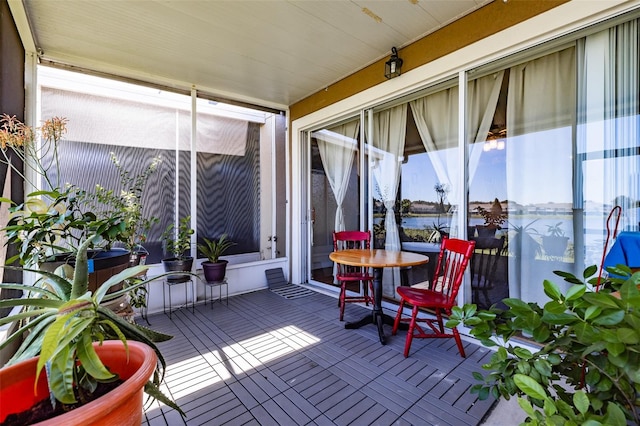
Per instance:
(439,320)
(396,323)
(341,302)
(170,304)
(456,335)
(164,303)
(412,326)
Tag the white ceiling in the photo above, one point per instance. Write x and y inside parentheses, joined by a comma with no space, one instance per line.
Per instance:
(269,52)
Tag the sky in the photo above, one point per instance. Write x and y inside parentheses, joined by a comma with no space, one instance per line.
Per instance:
(540,172)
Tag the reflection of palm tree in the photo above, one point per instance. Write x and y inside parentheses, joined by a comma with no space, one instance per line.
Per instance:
(441,192)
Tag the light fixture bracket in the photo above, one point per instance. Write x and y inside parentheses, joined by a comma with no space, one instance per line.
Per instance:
(393,65)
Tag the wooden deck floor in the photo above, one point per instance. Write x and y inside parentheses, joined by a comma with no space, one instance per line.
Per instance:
(268,360)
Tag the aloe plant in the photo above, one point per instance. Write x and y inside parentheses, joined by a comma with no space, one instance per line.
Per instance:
(63,319)
(213,249)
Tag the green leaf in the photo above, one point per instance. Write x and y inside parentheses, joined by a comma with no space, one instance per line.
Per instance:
(517,305)
(615,415)
(90,360)
(541,333)
(50,342)
(523,353)
(554,359)
(600,299)
(559,319)
(555,307)
(60,376)
(589,271)
(566,410)
(543,367)
(529,386)
(526,406)
(576,292)
(628,335)
(26,314)
(552,290)
(483,393)
(118,278)
(629,289)
(477,376)
(581,401)
(616,349)
(486,315)
(151,389)
(586,333)
(611,318)
(549,407)
(621,360)
(592,312)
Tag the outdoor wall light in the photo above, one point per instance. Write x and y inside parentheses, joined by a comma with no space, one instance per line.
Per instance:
(393,65)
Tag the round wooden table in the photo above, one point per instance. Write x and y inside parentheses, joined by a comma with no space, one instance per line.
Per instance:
(377,260)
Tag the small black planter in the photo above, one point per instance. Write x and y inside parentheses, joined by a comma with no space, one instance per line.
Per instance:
(179,265)
(486,231)
(214,271)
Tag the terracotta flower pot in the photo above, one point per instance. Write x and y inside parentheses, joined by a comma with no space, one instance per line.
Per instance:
(122,406)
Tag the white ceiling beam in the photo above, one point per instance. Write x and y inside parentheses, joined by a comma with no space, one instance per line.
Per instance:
(22,24)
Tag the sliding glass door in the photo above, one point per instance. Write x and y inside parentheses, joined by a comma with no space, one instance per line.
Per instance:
(335,192)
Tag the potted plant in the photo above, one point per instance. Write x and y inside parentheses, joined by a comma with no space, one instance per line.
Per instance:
(213,268)
(49,225)
(555,242)
(69,329)
(586,369)
(437,232)
(63,319)
(521,242)
(127,202)
(493,219)
(177,241)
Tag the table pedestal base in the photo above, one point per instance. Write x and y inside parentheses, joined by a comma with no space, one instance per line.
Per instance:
(379,319)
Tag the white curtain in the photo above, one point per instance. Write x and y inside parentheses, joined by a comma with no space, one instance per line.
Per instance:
(540,110)
(337,147)
(385,159)
(482,99)
(608,131)
(389,130)
(436,117)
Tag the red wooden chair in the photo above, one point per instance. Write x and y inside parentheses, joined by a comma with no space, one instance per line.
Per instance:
(440,296)
(347,274)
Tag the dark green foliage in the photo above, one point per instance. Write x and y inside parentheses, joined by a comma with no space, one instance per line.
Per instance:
(587,366)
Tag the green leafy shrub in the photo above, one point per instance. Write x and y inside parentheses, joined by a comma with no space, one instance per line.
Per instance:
(587,367)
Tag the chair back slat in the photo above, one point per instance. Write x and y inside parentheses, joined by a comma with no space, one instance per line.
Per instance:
(344,240)
(454,256)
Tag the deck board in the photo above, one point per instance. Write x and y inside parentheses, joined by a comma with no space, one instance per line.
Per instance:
(267,360)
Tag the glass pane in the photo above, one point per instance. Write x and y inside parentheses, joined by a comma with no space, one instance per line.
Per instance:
(520,168)
(429,186)
(608,135)
(228,179)
(335,192)
(116,121)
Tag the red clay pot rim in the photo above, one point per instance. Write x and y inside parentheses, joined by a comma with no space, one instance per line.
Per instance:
(130,386)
